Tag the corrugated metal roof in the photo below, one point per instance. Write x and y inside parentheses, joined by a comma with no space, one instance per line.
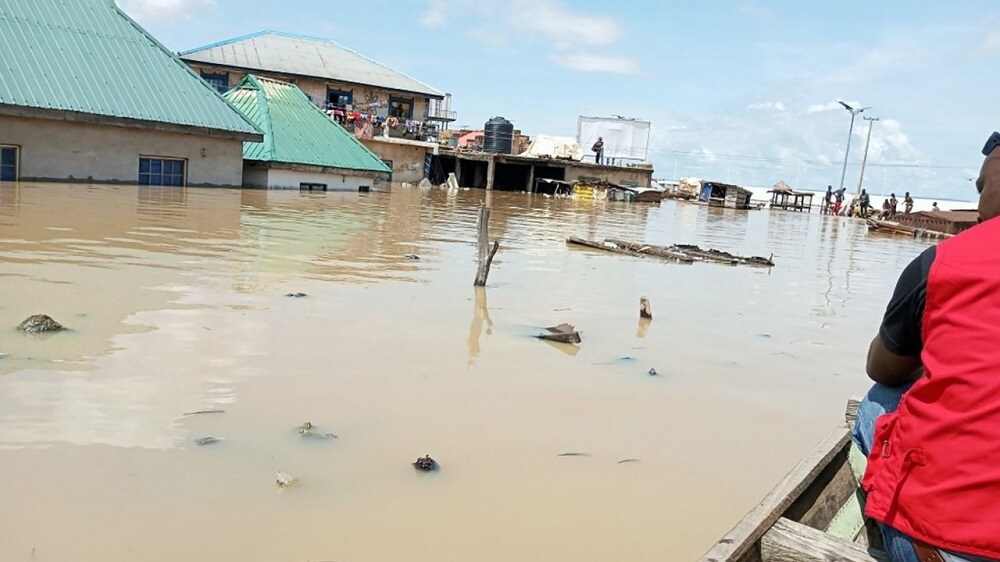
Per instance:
(87,56)
(288,53)
(295,130)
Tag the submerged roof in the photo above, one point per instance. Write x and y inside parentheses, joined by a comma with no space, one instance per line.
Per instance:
(295,130)
(87,56)
(288,53)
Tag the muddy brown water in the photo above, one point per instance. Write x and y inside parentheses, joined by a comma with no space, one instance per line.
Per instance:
(175,300)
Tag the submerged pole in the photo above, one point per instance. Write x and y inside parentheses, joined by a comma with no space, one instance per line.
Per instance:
(484,252)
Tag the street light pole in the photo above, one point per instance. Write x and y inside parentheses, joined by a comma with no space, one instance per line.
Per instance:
(864,160)
(854,113)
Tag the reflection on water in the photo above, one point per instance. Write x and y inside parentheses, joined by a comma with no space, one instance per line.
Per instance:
(176,302)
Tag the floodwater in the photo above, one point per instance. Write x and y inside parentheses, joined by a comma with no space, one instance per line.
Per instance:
(176,303)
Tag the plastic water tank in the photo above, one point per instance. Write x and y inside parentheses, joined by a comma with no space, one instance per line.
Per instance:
(498,136)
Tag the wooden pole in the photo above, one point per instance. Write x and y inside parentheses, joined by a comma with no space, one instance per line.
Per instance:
(484,252)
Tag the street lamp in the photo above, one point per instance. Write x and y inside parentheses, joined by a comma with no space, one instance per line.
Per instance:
(854,113)
(861,178)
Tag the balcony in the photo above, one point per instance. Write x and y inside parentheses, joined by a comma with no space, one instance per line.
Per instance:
(440,110)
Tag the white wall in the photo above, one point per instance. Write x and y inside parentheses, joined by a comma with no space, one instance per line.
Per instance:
(62,150)
(290,179)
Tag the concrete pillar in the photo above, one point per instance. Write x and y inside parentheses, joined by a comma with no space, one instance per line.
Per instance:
(531,179)
(458,170)
(491,169)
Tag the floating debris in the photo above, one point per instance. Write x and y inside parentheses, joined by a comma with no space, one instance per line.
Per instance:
(645,310)
(563,333)
(202,441)
(683,253)
(40,324)
(199,412)
(573,454)
(623,461)
(285,480)
(653,373)
(426,464)
(296,295)
(412,257)
(308,430)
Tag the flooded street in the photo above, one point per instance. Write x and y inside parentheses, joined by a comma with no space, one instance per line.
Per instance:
(176,303)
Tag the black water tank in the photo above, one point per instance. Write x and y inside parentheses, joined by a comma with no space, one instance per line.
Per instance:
(498,136)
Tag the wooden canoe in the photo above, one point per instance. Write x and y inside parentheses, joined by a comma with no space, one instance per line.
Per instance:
(891,227)
(813,514)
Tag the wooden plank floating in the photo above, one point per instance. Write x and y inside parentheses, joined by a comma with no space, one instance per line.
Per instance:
(563,333)
(788,541)
(681,253)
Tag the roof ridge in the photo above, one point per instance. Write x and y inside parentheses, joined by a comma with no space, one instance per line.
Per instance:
(265,112)
(306,38)
(177,60)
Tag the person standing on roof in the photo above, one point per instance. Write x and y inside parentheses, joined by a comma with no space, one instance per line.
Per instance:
(865,203)
(934,207)
(907,203)
(598,149)
(893,204)
(828,200)
(931,423)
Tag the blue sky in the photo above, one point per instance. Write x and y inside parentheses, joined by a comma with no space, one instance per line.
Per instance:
(736,90)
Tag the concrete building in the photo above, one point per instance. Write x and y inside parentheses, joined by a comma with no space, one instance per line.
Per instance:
(333,77)
(87,95)
(302,147)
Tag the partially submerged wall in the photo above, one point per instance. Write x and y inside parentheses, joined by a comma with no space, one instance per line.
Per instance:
(52,150)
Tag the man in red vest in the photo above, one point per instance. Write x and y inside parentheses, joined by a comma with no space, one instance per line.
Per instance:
(930,426)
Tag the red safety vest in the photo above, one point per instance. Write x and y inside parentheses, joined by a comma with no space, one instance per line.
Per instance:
(934,469)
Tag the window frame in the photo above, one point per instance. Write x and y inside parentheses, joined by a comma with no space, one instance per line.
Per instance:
(394,101)
(17,160)
(161,172)
(209,76)
(312,186)
(349,94)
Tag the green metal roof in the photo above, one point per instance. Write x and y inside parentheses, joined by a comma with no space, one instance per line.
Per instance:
(295,130)
(87,56)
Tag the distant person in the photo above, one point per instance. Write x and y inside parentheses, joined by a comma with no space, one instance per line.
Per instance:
(893,203)
(839,195)
(934,207)
(598,149)
(865,203)
(907,203)
(828,200)
(886,210)
(930,424)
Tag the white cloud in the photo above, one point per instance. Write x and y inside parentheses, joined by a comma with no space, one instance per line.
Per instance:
(597,63)
(144,10)
(831,106)
(991,43)
(564,27)
(573,34)
(768,105)
(437,13)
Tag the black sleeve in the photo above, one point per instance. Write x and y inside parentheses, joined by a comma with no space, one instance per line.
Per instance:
(900,329)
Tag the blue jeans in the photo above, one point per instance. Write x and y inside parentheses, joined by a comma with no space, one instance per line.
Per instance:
(882,400)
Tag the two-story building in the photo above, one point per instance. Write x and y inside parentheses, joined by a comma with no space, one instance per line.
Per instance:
(334,78)
(87,95)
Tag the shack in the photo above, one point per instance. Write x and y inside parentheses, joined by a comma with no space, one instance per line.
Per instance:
(949,222)
(718,194)
(302,147)
(87,95)
(787,199)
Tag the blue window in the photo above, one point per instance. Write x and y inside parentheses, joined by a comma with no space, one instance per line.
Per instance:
(219,81)
(8,163)
(161,171)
